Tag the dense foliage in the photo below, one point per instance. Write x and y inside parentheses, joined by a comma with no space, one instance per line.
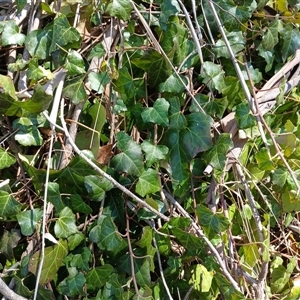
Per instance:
(192,194)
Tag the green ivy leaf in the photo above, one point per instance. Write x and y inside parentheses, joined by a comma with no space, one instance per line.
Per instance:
(64,34)
(36,72)
(106,235)
(168,8)
(125,84)
(9,207)
(188,240)
(155,65)
(82,259)
(29,220)
(98,81)
(201,278)
(131,159)
(20,5)
(31,137)
(97,186)
(72,285)
(74,63)
(54,257)
(148,183)
(213,75)
(38,42)
(158,114)
(263,160)
(9,241)
(226,288)
(279,176)
(54,196)
(11,35)
(237,43)
(65,225)
(97,51)
(97,277)
(173,85)
(290,41)
(76,203)
(119,8)
(75,240)
(216,157)
(243,116)
(8,96)
(154,153)
(6,159)
(212,223)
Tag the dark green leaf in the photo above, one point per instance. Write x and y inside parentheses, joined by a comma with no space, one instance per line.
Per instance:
(74,63)
(158,114)
(188,240)
(125,84)
(148,183)
(168,8)
(74,89)
(243,116)
(173,84)
(213,76)
(97,277)
(212,223)
(72,285)
(29,220)
(82,259)
(97,186)
(216,157)
(54,196)
(290,41)
(98,81)
(76,203)
(97,51)
(131,159)
(8,242)
(65,225)
(54,257)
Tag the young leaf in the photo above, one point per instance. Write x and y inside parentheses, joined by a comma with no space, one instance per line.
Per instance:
(9,207)
(263,160)
(29,220)
(213,75)
(8,242)
(6,159)
(97,51)
(74,63)
(54,257)
(72,285)
(74,89)
(65,225)
(131,159)
(201,278)
(148,183)
(8,96)
(98,81)
(158,114)
(243,116)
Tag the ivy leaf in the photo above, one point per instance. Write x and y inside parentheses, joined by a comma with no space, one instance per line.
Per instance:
(97,277)
(65,225)
(125,84)
(279,176)
(263,160)
(237,43)
(82,259)
(72,285)
(6,159)
(155,65)
(97,51)
(98,81)
(131,159)
(31,137)
(212,223)
(28,220)
(243,116)
(119,8)
(54,196)
(154,153)
(173,85)
(54,257)
(290,41)
(148,183)
(106,235)
(76,203)
(201,278)
(216,157)
(11,35)
(38,42)
(188,240)
(64,34)
(158,114)
(36,72)
(8,242)
(9,207)
(74,63)
(168,8)
(8,96)
(97,186)
(213,75)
